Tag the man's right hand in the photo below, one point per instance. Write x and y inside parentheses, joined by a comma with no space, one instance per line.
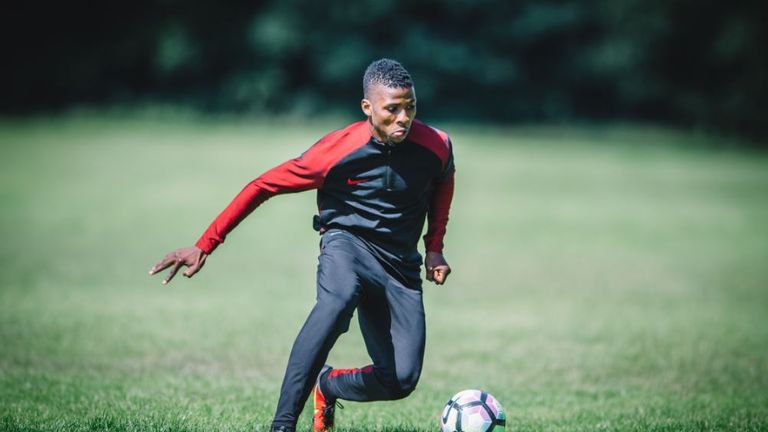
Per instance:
(192,257)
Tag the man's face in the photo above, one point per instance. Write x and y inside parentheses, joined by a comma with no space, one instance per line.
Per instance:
(390,111)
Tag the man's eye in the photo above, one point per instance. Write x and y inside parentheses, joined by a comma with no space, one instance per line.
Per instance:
(410,107)
(391,109)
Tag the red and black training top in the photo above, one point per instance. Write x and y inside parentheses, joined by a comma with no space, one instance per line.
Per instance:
(381,192)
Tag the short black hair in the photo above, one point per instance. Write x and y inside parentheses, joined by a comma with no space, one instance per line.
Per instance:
(386,72)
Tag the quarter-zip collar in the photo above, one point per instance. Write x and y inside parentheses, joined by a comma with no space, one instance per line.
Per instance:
(384,144)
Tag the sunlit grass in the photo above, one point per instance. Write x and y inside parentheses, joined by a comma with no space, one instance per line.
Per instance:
(604,279)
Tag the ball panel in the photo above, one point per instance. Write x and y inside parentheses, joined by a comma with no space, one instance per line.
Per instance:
(475,418)
(494,405)
(467,396)
(450,417)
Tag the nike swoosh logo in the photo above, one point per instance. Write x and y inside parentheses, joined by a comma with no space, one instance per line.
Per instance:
(353,182)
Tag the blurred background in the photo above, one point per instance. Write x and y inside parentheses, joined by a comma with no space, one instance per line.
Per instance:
(687,63)
(608,236)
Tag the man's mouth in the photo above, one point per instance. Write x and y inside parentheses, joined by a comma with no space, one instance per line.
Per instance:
(400,132)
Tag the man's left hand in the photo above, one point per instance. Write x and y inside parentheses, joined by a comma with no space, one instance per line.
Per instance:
(437,268)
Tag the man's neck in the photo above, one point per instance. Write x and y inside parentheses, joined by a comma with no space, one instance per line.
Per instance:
(377,137)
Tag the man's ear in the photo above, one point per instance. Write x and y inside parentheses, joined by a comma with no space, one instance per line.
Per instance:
(365,105)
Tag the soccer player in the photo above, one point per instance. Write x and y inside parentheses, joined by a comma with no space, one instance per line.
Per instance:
(377,181)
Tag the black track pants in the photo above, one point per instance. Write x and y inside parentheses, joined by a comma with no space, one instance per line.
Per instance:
(353,275)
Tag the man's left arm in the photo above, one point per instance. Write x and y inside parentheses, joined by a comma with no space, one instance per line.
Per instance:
(437,221)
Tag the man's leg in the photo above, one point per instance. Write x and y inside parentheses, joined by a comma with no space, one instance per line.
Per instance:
(391,317)
(338,291)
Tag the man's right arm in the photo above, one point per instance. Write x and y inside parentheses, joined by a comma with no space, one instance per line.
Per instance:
(302,173)
(295,175)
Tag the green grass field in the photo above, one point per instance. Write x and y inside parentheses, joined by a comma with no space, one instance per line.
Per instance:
(611,278)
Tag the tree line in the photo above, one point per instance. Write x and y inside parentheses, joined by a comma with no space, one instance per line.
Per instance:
(692,63)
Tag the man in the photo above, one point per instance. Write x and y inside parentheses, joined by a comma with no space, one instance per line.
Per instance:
(377,181)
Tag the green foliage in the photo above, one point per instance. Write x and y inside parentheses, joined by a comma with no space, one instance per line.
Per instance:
(688,62)
(604,279)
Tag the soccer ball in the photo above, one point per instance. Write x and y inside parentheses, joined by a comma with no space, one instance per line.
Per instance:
(472,411)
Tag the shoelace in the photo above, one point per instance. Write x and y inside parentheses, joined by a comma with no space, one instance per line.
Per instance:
(333,407)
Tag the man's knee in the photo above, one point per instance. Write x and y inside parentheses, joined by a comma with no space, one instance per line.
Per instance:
(406,381)
(401,383)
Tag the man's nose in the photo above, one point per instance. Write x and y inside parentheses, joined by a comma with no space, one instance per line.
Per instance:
(403,118)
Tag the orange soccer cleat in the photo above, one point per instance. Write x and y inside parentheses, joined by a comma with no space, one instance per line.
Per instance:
(325,408)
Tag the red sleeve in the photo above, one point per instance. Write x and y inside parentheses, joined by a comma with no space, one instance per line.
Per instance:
(439,143)
(302,173)
(437,215)
(296,175)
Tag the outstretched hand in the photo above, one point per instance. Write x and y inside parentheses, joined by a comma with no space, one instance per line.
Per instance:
(192,257)
(437,268)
